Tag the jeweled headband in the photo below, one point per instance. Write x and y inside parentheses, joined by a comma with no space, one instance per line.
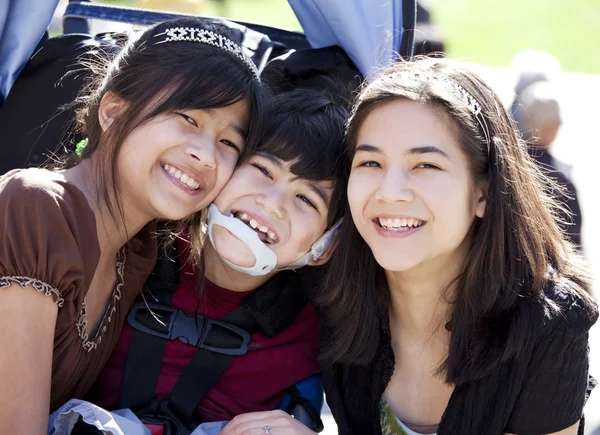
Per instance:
(203,36)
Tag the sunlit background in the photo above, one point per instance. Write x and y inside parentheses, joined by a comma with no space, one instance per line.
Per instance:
(488,34)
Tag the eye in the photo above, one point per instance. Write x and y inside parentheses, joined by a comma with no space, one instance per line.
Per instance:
(231,145)
(427,166)
(188,119)
(262,169)
(306,200)
(370,164)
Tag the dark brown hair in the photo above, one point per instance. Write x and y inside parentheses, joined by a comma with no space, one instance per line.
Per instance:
(306,126)
(517,249)
(157,78)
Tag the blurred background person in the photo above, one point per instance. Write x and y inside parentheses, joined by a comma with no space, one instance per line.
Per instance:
(540,121)
(532,66)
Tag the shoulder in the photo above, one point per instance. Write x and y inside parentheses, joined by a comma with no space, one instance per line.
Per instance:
(37,188)
(564,308)
(48,232)
(556,381)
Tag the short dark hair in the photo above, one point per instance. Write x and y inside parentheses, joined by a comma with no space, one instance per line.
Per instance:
(306,126)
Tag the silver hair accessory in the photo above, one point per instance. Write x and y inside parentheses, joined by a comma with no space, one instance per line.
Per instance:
(267,428)
(451,86)
(203,36)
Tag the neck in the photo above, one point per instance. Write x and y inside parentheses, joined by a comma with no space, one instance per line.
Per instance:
(224,276)
(420,297)
(113,229)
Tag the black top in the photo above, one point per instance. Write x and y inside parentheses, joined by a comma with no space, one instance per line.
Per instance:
(541,391)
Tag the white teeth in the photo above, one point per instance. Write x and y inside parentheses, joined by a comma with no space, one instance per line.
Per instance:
(271,236)
(397,223)
(184,178)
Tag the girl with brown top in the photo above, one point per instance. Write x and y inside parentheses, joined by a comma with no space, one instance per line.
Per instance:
(456,305)
(166,124)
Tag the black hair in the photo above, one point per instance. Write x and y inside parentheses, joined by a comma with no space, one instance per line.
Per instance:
(155,77)
(306,126)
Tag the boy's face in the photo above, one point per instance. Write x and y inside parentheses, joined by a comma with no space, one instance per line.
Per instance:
(288,213)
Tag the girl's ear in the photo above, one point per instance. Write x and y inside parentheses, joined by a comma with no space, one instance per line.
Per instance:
(326,256)
(481,198)
(110,107)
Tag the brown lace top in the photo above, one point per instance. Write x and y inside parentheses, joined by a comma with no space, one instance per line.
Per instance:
(48,240)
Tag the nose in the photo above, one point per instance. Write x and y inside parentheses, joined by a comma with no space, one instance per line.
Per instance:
(203,151)
(273,202)
(395,187)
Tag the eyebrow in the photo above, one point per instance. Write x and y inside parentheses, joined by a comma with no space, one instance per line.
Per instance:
(270,157)
(427,150)
(317,190)
(279,164)
(237,127)
(412,151)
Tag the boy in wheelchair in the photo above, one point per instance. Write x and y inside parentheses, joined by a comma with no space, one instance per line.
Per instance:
(242,336)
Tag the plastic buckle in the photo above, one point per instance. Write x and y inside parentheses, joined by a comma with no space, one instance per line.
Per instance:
(188,329)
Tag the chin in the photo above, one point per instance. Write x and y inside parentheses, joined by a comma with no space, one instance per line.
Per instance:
(396,263)
(231,248)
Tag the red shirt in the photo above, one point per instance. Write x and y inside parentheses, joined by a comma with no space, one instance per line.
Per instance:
(255,381)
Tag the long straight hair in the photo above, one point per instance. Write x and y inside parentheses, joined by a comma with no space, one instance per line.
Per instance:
(516,250)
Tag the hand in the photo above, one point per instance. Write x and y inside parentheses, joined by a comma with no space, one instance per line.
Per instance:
(256,423)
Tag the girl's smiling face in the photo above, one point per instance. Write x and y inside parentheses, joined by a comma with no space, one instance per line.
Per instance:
(176,164)
(410,191)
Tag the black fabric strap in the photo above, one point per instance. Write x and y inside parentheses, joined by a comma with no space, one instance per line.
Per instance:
(145,354)
(204,370)
(268,310)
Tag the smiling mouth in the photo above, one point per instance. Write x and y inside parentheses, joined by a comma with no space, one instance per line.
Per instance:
(265,234)
(399,224)
(181,177)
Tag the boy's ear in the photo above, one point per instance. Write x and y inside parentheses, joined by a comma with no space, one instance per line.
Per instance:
(110,107)
(326,256)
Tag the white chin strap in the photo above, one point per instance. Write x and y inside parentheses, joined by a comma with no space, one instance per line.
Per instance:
(265,258)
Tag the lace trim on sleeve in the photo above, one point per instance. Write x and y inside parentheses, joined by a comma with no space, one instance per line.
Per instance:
(40,286)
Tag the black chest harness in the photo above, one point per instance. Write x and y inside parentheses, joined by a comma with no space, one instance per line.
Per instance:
(268,310)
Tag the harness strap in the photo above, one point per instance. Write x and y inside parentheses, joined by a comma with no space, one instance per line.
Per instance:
(268,310)
(144,358)
(204,370)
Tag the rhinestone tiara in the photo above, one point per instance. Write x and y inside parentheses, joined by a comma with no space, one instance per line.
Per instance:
(203,36)
(450,85)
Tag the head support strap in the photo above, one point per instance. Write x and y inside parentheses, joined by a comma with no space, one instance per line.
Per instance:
(265,258)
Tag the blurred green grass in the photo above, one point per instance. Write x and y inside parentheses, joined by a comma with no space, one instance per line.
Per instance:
(483,31)
(492,31)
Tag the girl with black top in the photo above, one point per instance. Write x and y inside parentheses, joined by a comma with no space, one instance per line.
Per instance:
(455,305)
